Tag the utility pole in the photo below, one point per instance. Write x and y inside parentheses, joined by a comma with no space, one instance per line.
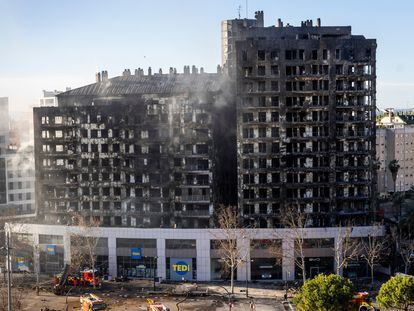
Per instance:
(8,264)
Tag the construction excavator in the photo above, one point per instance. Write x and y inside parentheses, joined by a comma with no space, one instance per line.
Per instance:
(84,278)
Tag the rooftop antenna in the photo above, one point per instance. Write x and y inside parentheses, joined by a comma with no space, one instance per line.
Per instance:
(247,9)
(238,10)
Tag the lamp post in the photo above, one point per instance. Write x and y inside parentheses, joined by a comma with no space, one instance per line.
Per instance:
(286,286)
(153,273)
(247,278)
(7,248)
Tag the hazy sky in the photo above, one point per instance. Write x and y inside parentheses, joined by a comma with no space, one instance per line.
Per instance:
(51,44)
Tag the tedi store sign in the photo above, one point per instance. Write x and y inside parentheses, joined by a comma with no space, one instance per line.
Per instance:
(181,269)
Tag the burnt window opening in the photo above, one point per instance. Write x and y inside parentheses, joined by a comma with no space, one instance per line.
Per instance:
(262,163)
(262,101)
(274,55)
(261,86)
(261,55)
(274,86)
(248,133)
(262,116)
(337,54)
(248,178)
(262,178)
(247,117)
(262,148)
(262,132)
(325,54)
(248,163)
(275,101)
(261,70)
(244,55)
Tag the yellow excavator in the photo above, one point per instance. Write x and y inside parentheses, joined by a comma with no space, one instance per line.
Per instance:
(91,302)
(156,306)
(364,302)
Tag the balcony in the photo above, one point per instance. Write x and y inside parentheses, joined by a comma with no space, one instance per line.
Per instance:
(195,198)
(193,213)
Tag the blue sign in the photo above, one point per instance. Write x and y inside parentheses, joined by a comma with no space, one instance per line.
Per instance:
(136,253)
(181,269)
(51,249)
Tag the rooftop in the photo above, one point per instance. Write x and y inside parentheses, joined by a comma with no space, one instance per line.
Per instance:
(139,84)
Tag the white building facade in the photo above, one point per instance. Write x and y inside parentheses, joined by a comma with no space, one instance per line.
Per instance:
(21,180)
(178,254)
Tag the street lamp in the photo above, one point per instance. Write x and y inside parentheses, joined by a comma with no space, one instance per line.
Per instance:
(152,268)
(153,273)
(286,286)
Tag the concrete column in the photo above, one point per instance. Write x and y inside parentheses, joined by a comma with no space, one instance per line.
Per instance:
(161,260)
(244,250)
(203,259)
(112,264)
(288,259)
(36,253)
(66,248)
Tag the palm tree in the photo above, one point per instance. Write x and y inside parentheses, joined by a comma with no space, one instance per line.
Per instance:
(393,166)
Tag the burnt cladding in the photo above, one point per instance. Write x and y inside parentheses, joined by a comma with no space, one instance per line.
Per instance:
(305,121)
(134,150)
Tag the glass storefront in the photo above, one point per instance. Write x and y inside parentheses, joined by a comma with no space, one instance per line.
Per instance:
(136,258)
(356,269)
(146,267)
(266,269)
(219,270)
(51,263)
(315,266)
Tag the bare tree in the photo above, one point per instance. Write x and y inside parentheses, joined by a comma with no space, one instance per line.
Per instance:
(226,240)
(16,299)
(86,240)
(345,248)
(373,248)
(404,246)
(407,252)
(296,220)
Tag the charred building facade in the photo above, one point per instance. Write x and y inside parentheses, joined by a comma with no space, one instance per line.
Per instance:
(288,121)
(134,150)
(305,120)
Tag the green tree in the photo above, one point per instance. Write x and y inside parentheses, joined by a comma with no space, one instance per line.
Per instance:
(325,293)
(397,293)
(393,166)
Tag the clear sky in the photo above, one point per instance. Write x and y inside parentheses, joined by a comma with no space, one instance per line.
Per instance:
(51,44)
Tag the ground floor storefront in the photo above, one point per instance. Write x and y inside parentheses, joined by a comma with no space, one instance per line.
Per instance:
(185,254)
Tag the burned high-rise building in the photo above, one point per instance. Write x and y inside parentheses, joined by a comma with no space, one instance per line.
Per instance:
(288,123)
(134,150)
(306,120)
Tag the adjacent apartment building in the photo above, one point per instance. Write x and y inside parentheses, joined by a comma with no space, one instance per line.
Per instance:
(395,138)
(305,120)
(4,142)
(17,171)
